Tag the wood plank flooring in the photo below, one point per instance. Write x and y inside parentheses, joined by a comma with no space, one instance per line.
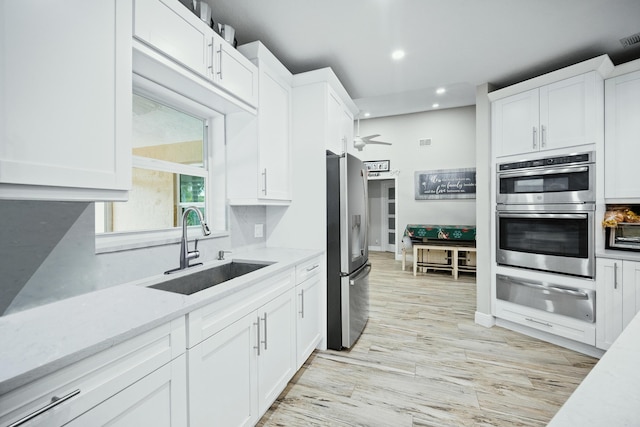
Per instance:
(422,361)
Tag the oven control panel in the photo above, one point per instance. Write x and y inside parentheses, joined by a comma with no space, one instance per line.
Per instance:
(548,161)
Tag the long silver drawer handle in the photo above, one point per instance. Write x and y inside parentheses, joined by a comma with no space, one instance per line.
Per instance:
(313,268)
(55,401)
(302,303)
(539,322)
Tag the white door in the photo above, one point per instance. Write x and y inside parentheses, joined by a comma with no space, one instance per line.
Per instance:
(277,337)
(308,318)
(609,320)
(515,124)
(389,225)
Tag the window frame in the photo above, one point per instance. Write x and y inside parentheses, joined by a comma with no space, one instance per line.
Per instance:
(214,158)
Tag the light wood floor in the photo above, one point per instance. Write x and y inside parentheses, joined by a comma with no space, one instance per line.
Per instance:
(422,361)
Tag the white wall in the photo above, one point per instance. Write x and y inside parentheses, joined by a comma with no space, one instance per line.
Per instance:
(453,138)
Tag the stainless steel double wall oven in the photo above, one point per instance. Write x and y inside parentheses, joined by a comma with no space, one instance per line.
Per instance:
(545,214)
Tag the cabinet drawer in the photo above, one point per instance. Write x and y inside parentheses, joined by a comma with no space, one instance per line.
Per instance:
(94,379)
(554,324)
(308,269)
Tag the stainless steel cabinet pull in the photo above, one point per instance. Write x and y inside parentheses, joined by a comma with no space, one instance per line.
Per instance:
(258,335)
(302,303)
(535,138)
(313,268)
(539,322)
(615,275)
(265,330)
(212,58)
(220,62)
(55,401)
(543,138)
(264,179)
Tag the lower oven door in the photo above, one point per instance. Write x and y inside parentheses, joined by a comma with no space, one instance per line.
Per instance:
(558,240)
(576,303)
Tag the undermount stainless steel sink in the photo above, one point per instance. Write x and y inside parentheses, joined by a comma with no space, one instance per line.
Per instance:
(201,280)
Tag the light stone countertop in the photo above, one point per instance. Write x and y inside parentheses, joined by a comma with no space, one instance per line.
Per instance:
(610,394)
(618,254)
(42,340)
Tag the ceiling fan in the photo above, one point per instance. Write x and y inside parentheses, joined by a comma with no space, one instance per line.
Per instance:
(360,142)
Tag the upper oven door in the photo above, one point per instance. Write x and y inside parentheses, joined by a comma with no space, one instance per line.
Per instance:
(544,185)
(555,240)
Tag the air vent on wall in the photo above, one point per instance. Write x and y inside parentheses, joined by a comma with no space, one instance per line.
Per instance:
(425,142)
(631,40)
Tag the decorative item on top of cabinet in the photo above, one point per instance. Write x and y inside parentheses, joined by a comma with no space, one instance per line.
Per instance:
(175,32)
(622,137)
(618,293)
(65,131)
(259,148)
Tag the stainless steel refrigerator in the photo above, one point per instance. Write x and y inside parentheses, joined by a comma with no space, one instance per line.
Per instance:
(348,265)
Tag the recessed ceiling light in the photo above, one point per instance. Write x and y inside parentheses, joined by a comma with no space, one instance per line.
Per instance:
(435,105)
(398,54)
(367,114)
(440,90)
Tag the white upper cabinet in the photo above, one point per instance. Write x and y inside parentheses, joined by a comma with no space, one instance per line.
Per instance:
(259,148)
(622,136)
(175,32)
(558,115)
(65,100)
(340,124)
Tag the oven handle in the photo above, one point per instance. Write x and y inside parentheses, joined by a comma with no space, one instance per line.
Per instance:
(543,172)
(543,215)
(580,294)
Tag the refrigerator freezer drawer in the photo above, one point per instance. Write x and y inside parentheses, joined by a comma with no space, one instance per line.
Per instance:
(355,304)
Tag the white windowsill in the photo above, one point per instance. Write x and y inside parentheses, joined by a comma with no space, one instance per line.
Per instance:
(116,242)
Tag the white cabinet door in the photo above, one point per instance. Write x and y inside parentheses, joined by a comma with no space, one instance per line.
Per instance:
(65,100)
(223,386)
(308,327)
(274,137)
(558,115)
(235,73)
(515,124)
(336,139)
(622,136)
(609,291)
(175,31)
(568,112)
(277,358)
(159,399)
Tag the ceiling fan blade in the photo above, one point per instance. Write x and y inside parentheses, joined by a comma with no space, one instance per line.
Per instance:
(366,138)
(379,142)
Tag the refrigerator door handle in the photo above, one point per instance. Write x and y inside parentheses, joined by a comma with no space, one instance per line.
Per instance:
(363,174)
(364,271)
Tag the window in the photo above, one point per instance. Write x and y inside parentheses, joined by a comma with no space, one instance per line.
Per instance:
(178,152)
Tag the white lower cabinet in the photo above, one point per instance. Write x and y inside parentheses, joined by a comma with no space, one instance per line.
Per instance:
(308,292)
(141,381)
(618,298)
(237,373)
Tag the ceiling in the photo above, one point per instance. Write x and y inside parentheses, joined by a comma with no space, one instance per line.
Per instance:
(455,44)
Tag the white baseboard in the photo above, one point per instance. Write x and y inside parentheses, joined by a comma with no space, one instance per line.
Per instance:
(484,319)
(375,248)
(587,349)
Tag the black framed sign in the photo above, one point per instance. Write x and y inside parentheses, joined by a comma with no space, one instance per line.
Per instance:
(377,165)
(445,184)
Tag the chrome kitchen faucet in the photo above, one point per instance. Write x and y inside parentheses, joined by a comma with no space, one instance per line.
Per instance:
(185,253)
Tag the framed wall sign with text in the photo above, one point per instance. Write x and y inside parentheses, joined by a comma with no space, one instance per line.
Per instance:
(446,184)
(377,165)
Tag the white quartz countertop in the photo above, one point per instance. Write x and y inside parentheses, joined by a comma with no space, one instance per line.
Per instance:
(41,340)
(610,394)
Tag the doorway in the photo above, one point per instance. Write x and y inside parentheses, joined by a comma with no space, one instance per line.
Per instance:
(382,215)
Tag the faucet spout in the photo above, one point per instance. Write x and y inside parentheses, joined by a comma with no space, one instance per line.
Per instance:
(185,253)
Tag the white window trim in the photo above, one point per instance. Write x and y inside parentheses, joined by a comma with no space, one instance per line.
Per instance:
(215,175)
